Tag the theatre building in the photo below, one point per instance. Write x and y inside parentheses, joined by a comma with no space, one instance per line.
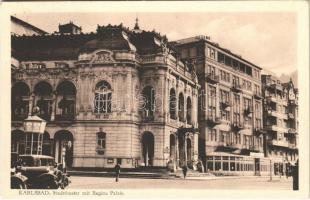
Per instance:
(116,95)
(280,122)
(230,108)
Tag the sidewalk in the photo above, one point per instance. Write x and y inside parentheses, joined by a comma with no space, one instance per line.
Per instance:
(150,175)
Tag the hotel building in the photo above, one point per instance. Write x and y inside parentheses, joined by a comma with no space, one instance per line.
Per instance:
(230,108)
(280,122)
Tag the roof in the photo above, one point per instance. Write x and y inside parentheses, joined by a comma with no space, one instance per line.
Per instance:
(19,21)
(216,45)
(58,46)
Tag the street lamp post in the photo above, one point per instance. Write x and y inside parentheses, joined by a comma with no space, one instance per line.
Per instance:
(34,128)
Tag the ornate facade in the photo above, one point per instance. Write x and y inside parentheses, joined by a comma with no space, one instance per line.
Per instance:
(280,122)
(117,95)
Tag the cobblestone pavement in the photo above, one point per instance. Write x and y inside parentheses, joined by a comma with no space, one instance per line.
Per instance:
(82,182)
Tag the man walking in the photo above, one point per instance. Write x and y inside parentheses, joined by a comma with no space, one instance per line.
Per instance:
(117,169)
(184,168)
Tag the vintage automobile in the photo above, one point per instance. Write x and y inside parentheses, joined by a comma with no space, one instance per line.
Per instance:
(38,172)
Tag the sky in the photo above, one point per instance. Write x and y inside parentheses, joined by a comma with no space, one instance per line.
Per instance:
(267,39)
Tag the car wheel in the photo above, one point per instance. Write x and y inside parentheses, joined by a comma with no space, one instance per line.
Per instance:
(52,185)
(18,185)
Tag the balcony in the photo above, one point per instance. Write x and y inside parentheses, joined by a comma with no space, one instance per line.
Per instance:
(236,88)
(254,148)
(258,95)
(279,143)
(47,97)
(248,111)
(147,116)
(292,146)
(237,126)
(233,145)
(272,113)
(211,78)
(65,117)
(275,86)
(225,105)
(212,121)
(271,99)
(291,131)
(293,102)
(272,128)
(258,130)
(290,116)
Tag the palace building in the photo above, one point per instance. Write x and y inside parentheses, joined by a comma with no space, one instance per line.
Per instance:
(113,96)
(230,111)
(280,122)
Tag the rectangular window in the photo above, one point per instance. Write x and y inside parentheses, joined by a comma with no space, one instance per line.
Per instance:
(192,52)
(210,165)
(225,166)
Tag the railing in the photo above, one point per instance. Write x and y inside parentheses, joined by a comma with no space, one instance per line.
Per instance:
(290,116)
(291,130)
(212,78)
(254,148)
(277,86)
(65,117)
(236,87)
(225,104)
(237,126)
(271,99)
(248,111)
(258,95)
(278,143)
(293,102)
(214,120)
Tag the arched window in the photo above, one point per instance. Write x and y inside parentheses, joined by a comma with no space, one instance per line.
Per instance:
(101,139)
(172,104)
(189,110)
(43,92)
(148,95)
(103,96)
(66,98)
(20,101)
(181,108)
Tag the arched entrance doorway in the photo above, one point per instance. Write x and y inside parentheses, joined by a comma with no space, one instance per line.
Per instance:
(148,148)
(64,147)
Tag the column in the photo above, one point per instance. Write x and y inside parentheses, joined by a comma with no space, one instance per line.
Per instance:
(177,150)
(54,103)
(31,103)
(129,92)
(177,99)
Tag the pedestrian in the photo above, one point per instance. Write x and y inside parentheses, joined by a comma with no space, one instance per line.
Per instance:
(117,169)
(295,175)
(184,168)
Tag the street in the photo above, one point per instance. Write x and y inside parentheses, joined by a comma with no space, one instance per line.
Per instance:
(82,182)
